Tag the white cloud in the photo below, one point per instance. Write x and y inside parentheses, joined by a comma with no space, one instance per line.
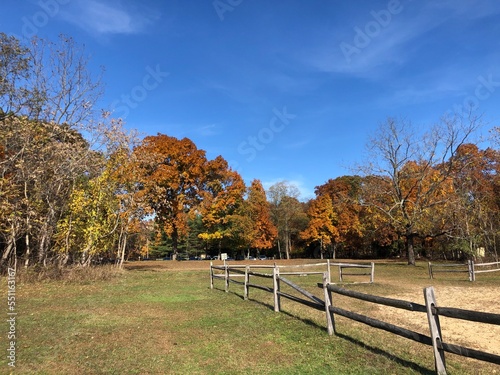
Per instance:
(299,144)
(97,17)
(395,42)
(207,130)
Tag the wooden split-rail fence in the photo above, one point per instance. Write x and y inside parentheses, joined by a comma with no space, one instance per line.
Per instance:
(234,273)
(231,274)
(471,268)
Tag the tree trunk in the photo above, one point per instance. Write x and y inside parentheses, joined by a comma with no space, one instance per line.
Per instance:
(41,245)
(287,244)
(123,247)
(88,261)
(175,244)
(64,260)
(85,258)
(27,253)
(410,250)
(45,237)
(9,249)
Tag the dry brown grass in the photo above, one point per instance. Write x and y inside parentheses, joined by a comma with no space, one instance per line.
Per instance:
(73,274)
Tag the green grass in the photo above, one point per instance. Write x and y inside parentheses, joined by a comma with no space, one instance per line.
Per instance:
(170,322)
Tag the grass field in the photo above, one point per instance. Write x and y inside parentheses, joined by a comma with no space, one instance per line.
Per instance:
(162,318)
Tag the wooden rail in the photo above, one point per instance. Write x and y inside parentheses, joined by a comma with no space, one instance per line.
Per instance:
(430,308)
(474,271)
(226,268)
(231,271)
(343,266)
(471,268)
(228,273)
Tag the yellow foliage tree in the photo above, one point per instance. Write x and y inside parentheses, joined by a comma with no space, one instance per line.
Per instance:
(321,226)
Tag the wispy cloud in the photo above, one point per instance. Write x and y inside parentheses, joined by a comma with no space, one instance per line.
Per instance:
(207,130)
(298,144)
(108,18)
(396,43)
(430,86)
(382,52)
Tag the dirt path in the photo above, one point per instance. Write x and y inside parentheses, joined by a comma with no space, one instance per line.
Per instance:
(485,337)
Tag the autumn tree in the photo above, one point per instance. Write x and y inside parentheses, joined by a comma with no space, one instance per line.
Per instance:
(47,99)
(418,169)
(92,220)
(322,220)
(121,187)
(263,231)
(171,174)
(242,229)
(287,213)
(376,226)
(222,194)
(345,195)
(101,213)
(42,163)
(475,214)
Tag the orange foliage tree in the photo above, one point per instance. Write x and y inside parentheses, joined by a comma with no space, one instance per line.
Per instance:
(321,226)
(264,231)
(475,214)
(344,194)
(171,175)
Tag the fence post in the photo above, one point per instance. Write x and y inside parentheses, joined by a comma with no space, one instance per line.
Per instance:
(372,273)
(472,271)
(211,276)
(247,281)
(430,270)
(340,272)
(226,277)
(276,288)
(330,322)
(328,269)
(435,328)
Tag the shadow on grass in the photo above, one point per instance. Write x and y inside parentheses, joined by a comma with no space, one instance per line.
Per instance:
(374,350)
(392,357)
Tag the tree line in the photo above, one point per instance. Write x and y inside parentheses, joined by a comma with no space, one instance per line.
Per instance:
(77,188)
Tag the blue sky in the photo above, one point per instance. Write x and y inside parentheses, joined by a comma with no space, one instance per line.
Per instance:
(283,90)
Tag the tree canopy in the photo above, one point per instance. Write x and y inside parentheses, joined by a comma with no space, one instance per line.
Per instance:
(77,188)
